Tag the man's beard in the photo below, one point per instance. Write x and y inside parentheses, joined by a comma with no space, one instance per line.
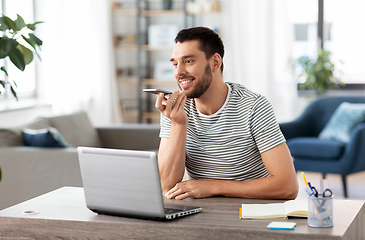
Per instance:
(202,86)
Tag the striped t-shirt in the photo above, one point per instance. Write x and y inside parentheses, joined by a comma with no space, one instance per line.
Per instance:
(228,144)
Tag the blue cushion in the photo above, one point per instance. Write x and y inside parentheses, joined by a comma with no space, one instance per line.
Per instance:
(312,147)
(49,137)
(343,121)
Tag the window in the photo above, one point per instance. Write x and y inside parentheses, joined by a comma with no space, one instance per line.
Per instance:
(342,34)
(26,81)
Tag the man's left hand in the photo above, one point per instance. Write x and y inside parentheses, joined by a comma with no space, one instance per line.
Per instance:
(190,188)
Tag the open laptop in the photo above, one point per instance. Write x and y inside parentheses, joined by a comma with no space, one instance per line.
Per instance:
(125,183)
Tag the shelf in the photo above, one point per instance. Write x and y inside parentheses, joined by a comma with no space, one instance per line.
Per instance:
(151,115)
(133,115)
(153,13)
(127,80)
(117,10)
(125,12)
(126,46)
(152,81)
(140,108)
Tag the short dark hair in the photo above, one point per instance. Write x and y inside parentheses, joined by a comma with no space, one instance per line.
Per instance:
(210,42)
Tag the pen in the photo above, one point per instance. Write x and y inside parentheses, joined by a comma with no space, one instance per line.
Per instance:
(308,188)
(311,190)
(305,180)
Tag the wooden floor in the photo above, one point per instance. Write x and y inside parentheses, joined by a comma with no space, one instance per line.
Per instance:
(355,184)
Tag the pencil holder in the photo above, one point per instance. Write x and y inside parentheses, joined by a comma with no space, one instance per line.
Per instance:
(320,211)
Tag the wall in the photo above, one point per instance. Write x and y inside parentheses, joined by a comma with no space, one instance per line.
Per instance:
(17,117)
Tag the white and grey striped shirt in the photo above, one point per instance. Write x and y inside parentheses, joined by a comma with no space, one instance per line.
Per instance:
(228,144)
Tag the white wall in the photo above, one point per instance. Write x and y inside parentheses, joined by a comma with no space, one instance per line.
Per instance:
(19,117)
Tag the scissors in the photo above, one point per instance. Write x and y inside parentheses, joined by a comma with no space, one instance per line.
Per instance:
(314,191)
(325,193)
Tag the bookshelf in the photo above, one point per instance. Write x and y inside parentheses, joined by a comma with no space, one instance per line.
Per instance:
(136,56)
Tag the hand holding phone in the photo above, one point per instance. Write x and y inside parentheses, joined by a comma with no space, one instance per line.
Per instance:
(167,94)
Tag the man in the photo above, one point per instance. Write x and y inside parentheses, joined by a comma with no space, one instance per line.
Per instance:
(225,136)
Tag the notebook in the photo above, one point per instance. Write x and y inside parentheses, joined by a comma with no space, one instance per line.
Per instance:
(291,208)
(125,183)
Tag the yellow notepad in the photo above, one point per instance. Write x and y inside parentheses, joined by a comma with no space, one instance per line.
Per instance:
(292,208)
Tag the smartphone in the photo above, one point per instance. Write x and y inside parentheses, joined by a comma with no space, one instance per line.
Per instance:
(157,91)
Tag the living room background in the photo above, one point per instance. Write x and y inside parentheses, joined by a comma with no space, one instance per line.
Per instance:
(261,39)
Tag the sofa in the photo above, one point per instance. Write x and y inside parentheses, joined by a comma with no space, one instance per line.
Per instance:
(29,171)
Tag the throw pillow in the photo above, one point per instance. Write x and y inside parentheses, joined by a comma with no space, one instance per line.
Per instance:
(346,117)
(8,137)
(77,129)
(13,136)
(49,137)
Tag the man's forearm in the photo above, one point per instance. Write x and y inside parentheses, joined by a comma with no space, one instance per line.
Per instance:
(263,188)
(272,187)
(171,157)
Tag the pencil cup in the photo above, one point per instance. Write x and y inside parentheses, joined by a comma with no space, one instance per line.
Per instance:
(320,211)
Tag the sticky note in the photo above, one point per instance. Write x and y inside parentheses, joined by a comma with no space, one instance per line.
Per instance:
(281,225)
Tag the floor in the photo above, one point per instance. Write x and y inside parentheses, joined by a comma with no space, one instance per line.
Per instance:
(355,184)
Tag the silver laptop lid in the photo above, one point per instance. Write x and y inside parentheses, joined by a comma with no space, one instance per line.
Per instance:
(121,182)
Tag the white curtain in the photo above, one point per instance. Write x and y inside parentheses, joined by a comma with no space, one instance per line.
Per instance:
(76,71)
(258,36)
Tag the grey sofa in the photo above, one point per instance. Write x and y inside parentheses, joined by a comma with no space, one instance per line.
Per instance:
(28,172)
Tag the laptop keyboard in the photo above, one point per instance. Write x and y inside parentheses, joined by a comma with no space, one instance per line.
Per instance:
(172,210)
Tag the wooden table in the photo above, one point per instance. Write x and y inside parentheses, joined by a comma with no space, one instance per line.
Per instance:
(62,214)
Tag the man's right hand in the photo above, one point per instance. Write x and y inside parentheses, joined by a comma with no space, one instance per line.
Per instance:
(173,108)
(171,155)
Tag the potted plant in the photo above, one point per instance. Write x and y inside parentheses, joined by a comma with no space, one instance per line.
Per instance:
(167,4)
(319,72)
(13,36)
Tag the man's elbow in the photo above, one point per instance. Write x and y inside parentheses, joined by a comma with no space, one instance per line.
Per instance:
(291,190)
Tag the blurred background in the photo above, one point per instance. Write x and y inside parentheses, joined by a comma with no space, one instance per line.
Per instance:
(97,55)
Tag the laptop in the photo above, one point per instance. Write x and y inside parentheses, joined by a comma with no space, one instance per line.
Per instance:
(125,183)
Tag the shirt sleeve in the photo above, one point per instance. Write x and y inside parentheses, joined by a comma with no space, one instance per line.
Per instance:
(264,126)
(165,126)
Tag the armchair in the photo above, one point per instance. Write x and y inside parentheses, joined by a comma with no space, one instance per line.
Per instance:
(313,154)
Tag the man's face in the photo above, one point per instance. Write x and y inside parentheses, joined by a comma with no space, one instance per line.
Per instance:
(192,69)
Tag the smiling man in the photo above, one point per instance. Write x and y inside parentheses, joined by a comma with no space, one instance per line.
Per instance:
(225,137)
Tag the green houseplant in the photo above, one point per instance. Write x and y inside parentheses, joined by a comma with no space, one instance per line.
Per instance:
(18,43)
(319,72)
(13,35)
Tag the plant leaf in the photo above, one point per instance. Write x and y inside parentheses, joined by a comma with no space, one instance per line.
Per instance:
(15,84)
(4,70)
(35,39)
(13,92)
(28,54)
(9,23)
(32,27)
(3,24)
(30,42)
(17,58)
(6,45)
(19,23)
(2,83)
